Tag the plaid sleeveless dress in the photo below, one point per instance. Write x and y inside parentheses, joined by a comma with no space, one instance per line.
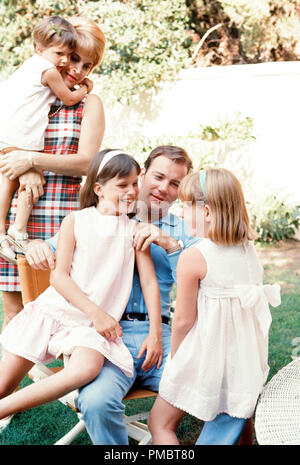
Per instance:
(60,192)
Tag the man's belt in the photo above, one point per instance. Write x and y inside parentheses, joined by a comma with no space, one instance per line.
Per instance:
(142,317)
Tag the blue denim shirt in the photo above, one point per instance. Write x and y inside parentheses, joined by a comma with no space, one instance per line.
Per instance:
(164,264)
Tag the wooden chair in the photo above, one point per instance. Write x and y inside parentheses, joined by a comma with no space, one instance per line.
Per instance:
(34,282)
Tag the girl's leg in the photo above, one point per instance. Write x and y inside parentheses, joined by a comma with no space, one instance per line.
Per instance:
(163,422)
(12,304)
(12,370)
(83,366)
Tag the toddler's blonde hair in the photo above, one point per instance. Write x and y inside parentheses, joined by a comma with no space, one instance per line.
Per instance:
(229,223)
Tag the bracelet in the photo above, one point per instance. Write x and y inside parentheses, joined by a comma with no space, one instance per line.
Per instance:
(30,159)
(178,246)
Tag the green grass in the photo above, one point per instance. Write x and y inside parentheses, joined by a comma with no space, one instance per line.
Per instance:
(46,424)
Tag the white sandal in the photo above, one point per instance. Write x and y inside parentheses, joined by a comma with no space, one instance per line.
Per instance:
(7,252)
(16,238)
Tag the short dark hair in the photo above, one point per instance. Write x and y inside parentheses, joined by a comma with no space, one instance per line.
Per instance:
(177,154)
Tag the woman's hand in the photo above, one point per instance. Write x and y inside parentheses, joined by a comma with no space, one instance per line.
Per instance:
(154,351)
(32,182)
(15,163)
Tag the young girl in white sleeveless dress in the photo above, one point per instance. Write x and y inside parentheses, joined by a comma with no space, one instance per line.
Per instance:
(79,313)
(219,357)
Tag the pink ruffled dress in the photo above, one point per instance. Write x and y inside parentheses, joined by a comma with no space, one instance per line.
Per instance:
(102,266)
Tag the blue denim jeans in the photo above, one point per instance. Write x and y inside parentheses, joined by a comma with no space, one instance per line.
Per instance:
(100,402)
(223,430)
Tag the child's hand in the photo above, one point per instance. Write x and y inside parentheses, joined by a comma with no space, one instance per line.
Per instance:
(154,351)
(88,83)
(107,326)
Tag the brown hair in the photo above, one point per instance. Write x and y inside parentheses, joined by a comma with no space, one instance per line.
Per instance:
(90,38)
(230,223)
(176,154)
(119,166)
(53,30)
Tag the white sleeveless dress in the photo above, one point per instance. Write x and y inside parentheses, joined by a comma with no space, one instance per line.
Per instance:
(102,266)
(222,363)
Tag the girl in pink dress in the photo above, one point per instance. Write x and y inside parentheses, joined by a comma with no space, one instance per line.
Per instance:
(79,313)
(219,346)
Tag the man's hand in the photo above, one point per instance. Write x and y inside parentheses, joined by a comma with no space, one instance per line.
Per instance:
(154,351)
(40,255)
(146,233)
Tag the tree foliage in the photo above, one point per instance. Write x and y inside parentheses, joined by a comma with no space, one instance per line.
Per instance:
(149,41)
(253,31)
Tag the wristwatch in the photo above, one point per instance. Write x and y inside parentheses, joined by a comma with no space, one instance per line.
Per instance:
(178,246)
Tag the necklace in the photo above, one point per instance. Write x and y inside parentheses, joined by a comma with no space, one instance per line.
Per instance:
(55,112)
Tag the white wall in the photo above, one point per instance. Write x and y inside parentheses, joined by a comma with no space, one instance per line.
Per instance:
(269,93)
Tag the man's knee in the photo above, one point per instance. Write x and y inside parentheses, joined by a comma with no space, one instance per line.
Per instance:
(99,401)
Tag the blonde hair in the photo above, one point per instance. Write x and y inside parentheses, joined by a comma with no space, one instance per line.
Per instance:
(90,38)
(229,223)
(53,30)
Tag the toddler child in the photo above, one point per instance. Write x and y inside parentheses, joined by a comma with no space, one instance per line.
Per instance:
(79,313)
(26,98)
(219,346)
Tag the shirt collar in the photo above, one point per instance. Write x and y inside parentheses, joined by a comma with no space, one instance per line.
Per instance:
(169,220)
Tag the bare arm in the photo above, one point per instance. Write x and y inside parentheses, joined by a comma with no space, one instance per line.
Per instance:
(191,268)
(60,278)
(92,129)
(53,79)
(153,343)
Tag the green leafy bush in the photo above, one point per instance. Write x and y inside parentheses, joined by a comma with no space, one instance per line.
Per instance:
(147,41)
(274,221)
